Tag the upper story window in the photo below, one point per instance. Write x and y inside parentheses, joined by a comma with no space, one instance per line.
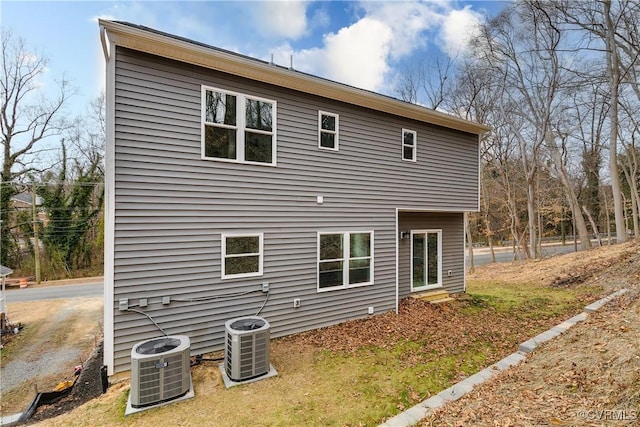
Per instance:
(409,145)
(242,255)
(328,130)
(237,127)
(345,260)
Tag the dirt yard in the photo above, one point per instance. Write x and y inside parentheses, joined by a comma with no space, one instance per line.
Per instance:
(588,376)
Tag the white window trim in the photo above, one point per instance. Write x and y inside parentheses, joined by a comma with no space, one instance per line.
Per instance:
(336,132)
(436,285)
(415,145)
(240,126)
(345,258)
(223,255)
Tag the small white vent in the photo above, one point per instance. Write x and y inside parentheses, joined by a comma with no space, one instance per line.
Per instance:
(247,348)
(160,370)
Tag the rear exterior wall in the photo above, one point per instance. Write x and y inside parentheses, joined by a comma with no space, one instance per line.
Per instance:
(171,207)
(451,224)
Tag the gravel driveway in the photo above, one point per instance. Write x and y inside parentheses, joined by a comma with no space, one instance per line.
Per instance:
(57,336)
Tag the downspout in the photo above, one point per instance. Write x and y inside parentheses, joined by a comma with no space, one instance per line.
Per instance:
(109,206)
(397,237)
(105,45)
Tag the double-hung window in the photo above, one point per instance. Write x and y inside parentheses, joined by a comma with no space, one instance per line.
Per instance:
(409,145)
(345,259)
(237,127)
(242,255)
(328,136)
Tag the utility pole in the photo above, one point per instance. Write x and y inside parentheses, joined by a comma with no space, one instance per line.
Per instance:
(36,237)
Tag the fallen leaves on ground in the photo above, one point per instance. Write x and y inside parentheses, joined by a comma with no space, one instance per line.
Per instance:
(589,376)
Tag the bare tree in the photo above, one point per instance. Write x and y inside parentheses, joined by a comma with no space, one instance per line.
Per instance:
(86,136)
(26,119)
(630,163)
(614,25)
(430,81)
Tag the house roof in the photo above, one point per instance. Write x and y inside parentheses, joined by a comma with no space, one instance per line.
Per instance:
(5,271)
(26,198)
(166,45)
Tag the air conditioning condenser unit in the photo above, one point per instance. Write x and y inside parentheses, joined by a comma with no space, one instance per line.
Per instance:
(246,348)
(160,370)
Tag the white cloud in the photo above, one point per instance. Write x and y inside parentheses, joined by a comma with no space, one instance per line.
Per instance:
(362,53)
(320,18)
(355,55)
(408,21)
(458,29)
(286,19)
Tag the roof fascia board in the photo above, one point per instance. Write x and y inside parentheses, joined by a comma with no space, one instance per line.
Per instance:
(183,51)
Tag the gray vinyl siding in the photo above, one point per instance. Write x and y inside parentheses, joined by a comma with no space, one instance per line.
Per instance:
(452,226)
(171,207)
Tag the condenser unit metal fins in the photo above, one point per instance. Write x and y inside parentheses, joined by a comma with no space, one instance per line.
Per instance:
(160,370)
(247,348)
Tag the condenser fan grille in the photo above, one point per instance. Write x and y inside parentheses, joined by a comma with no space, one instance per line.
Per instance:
(157,346)
(247,324)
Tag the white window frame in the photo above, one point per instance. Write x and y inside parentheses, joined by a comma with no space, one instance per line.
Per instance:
(439,283)
(346,242)
(336,133)
(240,126)
(224,256)
(415,145)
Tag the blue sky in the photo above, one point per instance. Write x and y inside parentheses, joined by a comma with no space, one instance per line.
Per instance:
(359,43)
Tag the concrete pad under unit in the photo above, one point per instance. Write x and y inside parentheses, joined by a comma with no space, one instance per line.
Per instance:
(228,382)
(189,395)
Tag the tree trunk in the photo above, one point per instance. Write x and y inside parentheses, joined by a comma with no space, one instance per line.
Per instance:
(531,213)
(606,216)
(471,265)
(574,204)
(613,70)
(594,226)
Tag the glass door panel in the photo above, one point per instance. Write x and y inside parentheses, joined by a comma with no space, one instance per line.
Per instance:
(419,255)
(425,259)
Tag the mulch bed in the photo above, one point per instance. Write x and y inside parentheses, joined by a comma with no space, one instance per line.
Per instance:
(87,387)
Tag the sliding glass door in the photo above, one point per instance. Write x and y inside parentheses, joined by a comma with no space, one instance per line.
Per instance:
(426,262)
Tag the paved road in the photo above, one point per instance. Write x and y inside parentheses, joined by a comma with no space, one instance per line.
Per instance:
(482,257)
(54,292)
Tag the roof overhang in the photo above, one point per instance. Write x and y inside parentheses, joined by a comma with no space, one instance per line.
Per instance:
(5,271)
(160,44)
